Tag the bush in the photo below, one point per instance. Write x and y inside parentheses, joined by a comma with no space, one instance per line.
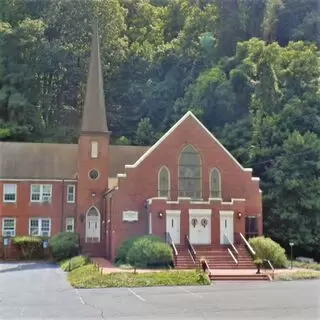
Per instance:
(30,247)
(65,245)
(89,277)
(146,252)
(122,252)
(268,249)
(74,263)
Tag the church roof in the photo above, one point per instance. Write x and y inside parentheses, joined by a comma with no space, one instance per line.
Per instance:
(20,160)
(94,110)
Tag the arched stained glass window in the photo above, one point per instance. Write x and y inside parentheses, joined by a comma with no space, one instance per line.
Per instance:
(215,183)
(190,178)
(164,182)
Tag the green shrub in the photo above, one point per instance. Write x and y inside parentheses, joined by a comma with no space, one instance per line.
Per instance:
(74,263)
(146,252)
(64,245)
(29,247)
(89,277)
(122,252)
(268,249)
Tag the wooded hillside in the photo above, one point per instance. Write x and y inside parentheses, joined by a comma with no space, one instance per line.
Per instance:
(249,69)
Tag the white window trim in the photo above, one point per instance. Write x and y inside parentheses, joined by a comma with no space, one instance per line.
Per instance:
(73,223)
(15,226)
(201,174)
(210,181)
(41,192)
(73,193)
(94,149)
(39,234)
(169,182)
(4,193)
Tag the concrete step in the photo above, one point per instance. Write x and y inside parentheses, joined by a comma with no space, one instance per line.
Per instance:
(239,277)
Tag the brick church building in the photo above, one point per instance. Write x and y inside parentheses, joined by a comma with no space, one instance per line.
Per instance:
(186,185)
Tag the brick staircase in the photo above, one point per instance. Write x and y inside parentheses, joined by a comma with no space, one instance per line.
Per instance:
(217,257)
(184,259)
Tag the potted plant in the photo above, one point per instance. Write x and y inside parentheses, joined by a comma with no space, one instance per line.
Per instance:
(258,262)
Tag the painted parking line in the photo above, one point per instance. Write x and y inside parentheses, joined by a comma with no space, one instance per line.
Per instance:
(136,295)
(190,292)
(79,296)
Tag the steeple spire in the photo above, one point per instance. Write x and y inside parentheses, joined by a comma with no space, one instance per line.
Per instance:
(94,111)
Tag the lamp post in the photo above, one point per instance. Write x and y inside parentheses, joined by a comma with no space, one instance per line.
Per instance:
(291,243)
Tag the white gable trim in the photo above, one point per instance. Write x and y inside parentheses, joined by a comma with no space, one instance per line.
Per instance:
(166,135)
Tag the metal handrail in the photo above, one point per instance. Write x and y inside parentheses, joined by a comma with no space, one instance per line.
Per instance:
(232,245)
(233,257)
(271,267)
(247,244)
(170,241)
(191,249)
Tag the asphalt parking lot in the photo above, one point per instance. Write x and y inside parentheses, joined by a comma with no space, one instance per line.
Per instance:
(40,291)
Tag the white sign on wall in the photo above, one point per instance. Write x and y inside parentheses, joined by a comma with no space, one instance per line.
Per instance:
(130,216)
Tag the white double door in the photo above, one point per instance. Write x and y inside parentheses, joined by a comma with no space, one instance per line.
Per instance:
(173,225)
(200,226)
(226,227)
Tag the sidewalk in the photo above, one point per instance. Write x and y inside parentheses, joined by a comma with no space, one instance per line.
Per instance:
(108,267)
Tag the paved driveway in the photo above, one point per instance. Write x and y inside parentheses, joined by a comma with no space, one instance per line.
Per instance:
(40,291)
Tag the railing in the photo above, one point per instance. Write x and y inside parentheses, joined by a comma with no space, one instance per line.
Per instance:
(253,253)
(171,243)
(205,266)
(270,266)
(191,249)
(230,243)
(232,256)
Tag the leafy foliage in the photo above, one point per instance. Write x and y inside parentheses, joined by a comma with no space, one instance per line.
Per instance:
(89,277)
(248,69)
(64,245)
(147,253)
(122,253)
(74,263)
(267,249)
(30,247)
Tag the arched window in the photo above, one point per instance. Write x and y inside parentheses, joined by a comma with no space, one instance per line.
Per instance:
(93,225)
(164,182)
(215,183)
(190,182)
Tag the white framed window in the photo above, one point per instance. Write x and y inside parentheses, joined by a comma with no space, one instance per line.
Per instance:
(70,224)
(41,192)
(164,182)
(71,193)
(94,149)
(215,183)
(190,173)
(9,192)
(40,227)
(8,227)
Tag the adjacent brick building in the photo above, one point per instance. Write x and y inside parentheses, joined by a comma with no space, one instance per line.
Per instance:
(187,184)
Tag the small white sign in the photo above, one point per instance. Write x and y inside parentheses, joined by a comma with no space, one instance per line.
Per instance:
(130,216)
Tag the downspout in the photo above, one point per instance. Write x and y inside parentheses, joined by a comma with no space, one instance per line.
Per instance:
(62,206)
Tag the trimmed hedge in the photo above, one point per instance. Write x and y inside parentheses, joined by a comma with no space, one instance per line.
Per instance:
(147,252)
(65,245)
(122,252)
(89,277)
(74,263)
(29,247)
(268,249)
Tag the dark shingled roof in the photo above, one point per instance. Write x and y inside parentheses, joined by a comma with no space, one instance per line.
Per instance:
(20,160)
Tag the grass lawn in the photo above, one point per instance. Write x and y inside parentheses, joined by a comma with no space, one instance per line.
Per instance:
(297,275)
(89,277)
(305,265)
